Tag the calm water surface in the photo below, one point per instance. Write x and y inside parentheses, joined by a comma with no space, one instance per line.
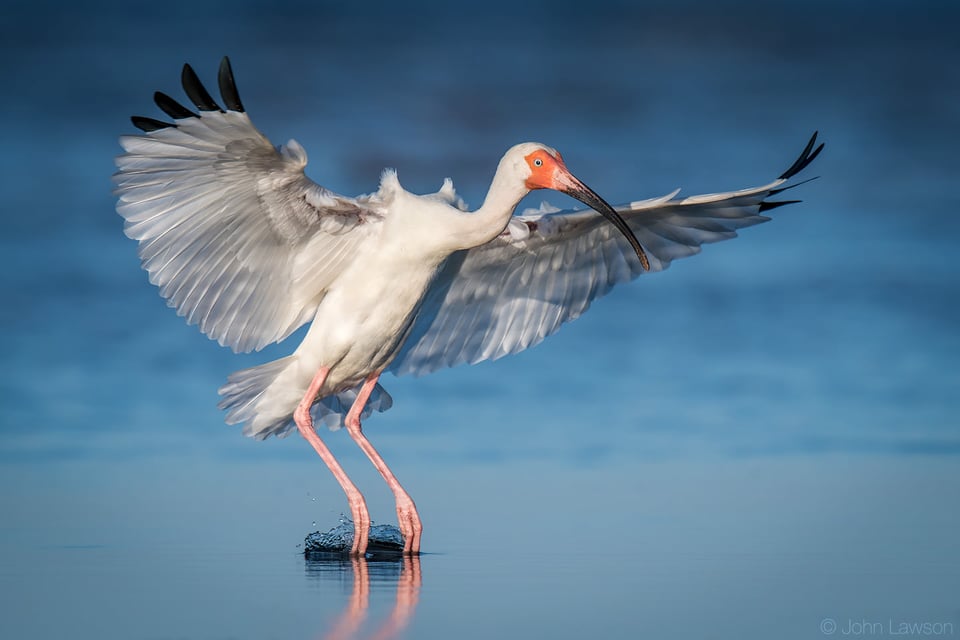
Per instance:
(761,442)
(746,548)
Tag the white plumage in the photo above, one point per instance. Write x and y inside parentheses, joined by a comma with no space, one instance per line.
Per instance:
(247,247)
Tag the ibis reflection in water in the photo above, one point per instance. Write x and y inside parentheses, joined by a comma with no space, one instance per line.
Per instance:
(400,569)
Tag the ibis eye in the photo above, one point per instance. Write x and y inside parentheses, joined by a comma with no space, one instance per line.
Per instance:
(538,162)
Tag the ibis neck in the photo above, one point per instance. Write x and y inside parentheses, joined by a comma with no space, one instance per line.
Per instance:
(487,222)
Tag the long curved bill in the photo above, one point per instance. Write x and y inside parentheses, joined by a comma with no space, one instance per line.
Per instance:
(573,187)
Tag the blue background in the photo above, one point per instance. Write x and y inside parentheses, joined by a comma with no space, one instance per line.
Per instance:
(758,439)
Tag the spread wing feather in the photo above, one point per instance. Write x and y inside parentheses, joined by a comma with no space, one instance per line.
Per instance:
(238,239)
(548,266)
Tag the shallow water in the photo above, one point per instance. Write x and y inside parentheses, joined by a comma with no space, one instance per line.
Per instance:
(731,548)
(760,439)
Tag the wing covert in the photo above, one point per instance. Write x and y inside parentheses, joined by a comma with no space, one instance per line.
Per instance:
(548,266)
(233,233)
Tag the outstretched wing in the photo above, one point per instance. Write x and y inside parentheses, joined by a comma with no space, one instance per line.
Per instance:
(238,239)
(547,267)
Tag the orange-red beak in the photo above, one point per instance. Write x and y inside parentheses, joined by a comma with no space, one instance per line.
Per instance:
(550,172)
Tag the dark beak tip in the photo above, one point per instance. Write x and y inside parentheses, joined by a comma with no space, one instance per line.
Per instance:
(587,196)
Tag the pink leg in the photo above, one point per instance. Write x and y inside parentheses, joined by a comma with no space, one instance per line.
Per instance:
(358,506)
(407,515)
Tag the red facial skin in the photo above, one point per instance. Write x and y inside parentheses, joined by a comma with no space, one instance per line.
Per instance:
(549,173)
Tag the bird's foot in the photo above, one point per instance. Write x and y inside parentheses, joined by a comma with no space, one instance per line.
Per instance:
(361,527)
(410,527)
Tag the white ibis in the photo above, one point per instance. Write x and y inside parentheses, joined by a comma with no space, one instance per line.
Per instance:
(248,248)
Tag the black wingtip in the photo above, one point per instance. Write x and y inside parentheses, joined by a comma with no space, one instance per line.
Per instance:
(149,124)
(196,91)
(806,157)
(767,206)
(774,192)
(228,87)
(171,107)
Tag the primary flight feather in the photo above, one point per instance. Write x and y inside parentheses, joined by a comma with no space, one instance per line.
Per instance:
(244,245)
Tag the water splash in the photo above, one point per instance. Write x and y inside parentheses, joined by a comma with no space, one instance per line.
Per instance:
(383,537)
